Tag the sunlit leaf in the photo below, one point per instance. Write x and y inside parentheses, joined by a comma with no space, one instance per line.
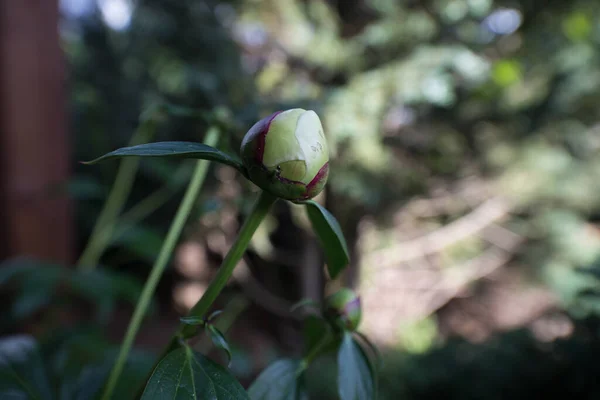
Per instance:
(506,72)
(186,374)
(278,382)
(330,236)
(355,378)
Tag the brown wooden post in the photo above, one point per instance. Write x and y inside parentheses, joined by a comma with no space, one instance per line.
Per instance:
(34,151)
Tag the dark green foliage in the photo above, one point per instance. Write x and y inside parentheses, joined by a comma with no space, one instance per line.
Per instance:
(512,365)
(315,329)
(192,150)
(330,237)
(185,374)
(68,366)
(38,283)
(22,372)
(218,339)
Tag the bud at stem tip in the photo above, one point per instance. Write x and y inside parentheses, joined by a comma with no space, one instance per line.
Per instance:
(286,154)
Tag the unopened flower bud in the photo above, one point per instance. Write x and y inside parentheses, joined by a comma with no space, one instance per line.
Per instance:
(343,309)
(286,154)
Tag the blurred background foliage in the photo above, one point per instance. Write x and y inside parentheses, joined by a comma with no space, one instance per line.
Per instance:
(465,173)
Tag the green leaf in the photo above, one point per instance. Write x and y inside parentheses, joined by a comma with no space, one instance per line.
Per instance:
(214,315)
(315,330)
(330,236)
(192,320)
(22,372)
(37,289)
(174,150)
(186,374)
(372,356)
(19,267)
(82,357)
(376,354)
(219,341)
(278,382)
(35,284)
(355,378)
(87,384)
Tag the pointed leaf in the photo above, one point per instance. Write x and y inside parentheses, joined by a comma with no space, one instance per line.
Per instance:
(192,320)
(373,357)
(22,372)
(278,382)
(330,236)
(376,354)
(355,379)
(214,315)
(174,150)
(219,341)
(186,374)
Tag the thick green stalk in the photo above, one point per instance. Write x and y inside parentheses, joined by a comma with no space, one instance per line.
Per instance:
(258,213)
(159,266)
(105,224)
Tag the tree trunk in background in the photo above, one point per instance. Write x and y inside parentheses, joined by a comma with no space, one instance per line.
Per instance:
(34,157)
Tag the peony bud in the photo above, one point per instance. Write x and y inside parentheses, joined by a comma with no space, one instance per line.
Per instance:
(343,308)
(286,154)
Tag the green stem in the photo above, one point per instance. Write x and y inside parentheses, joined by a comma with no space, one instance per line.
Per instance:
(315,351)
(258,213)
(159,266)
(105,224)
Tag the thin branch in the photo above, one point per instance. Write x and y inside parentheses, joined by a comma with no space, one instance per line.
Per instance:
(489,212)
